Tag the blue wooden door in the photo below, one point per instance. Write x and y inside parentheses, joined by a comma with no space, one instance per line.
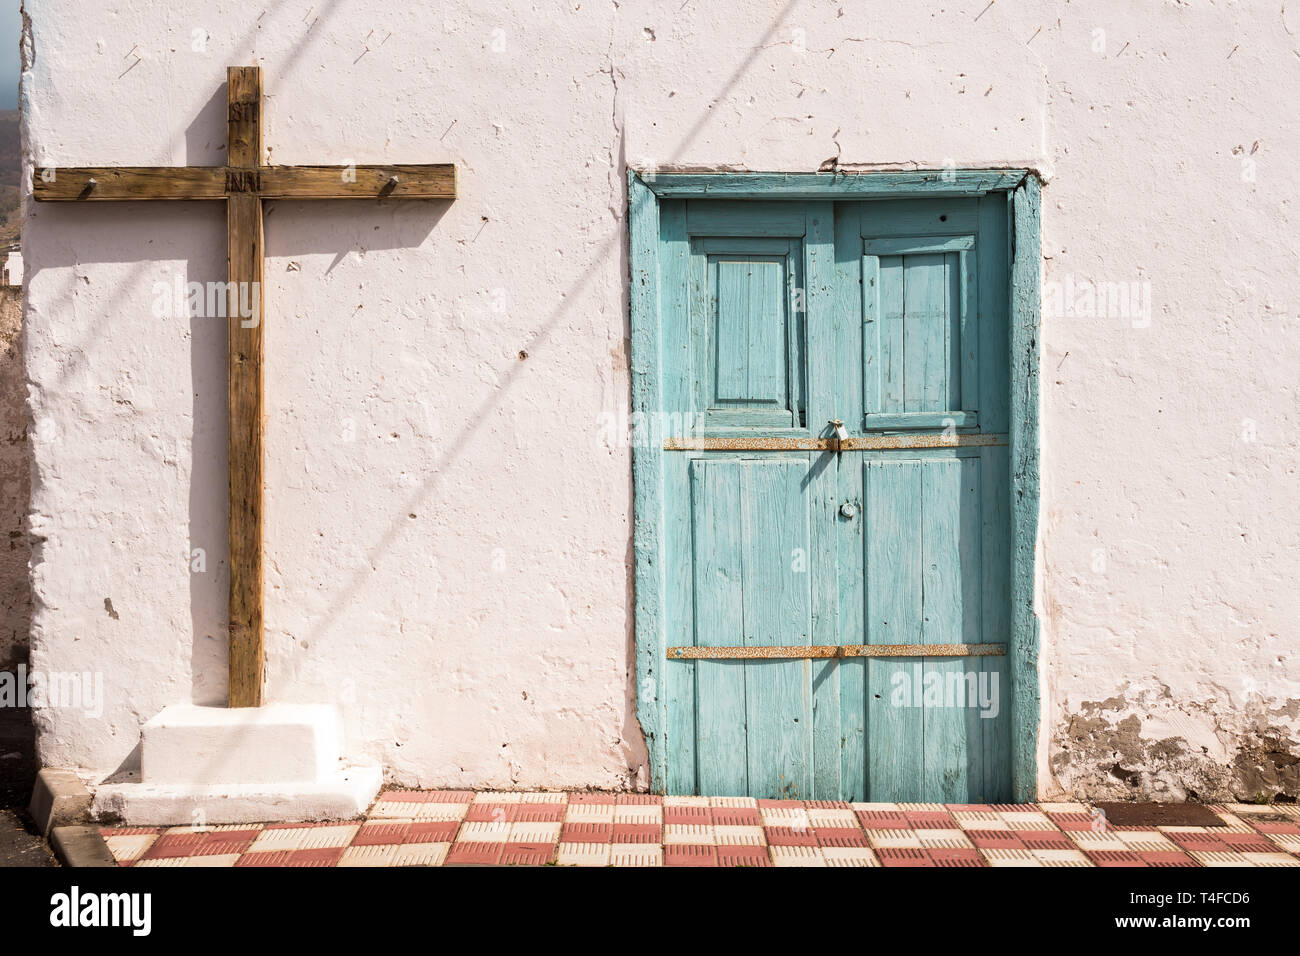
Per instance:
(835,599)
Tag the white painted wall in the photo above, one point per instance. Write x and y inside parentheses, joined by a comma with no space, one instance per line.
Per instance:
(448,536)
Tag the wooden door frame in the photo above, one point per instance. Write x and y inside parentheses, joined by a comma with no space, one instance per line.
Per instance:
(645,190)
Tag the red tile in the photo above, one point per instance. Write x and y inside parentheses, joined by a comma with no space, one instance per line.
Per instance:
(468,854)
(882,819)
(827,804)
(380,834)
(743,856)
(1276,827)
(492,813)
(690,855)
(1016,808)
(790,836)
(960,856)
(638,833)
(416,796)
(437,831)
(1071,821)
(226,842)
(1114,858)
(1045,839)
(698,816)
(540,813)
(995,839)
(840,836)
(328,856)
(587,833)
(737,817)
(930,820)
(528,854)
(902,856)
(171,845)
(1204,842)
(447,796)
(781,804)
(969,807)
(638,799)
(1165,858)
(272,858)
(1247,843)
(603,798)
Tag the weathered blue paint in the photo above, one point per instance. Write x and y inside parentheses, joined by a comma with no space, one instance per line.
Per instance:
(1024,356)
(808,726)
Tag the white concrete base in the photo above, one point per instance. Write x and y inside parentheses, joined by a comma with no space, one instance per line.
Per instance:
(211,765)
(347,793)
(278,743)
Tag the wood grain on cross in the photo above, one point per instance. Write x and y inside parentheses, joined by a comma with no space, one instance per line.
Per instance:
(243,183)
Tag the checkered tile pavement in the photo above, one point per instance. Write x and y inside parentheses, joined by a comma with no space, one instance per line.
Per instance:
(457,827)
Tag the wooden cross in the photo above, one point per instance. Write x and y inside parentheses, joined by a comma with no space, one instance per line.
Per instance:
(244,183)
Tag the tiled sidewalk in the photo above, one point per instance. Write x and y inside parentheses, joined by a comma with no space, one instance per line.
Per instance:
(446,827)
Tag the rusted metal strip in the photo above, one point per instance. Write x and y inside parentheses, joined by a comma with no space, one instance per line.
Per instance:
(860,443)
(803,651)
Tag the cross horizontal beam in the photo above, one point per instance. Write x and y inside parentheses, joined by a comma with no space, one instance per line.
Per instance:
(119,183)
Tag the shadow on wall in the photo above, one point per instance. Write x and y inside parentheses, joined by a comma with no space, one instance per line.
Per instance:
(16,734)
(15,484)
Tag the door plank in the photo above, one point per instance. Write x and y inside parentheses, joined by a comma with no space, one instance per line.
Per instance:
(717,499)
(895,728)
(777,610)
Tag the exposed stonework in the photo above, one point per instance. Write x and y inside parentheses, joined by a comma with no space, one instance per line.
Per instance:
(1123,748)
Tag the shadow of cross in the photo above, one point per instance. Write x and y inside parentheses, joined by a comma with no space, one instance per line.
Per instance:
(243,183)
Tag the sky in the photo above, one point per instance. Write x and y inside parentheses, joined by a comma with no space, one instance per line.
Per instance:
(11,24)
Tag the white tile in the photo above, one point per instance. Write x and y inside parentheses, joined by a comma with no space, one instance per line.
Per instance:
(1272,859)
(498,796)
(214,860)
(739,836)
(378,855)
(1219,858)
(590,813)
(583,854)
(1002,858)
(639,813)
(894,838)
(849,856)
(320,838)
(420,854)
(944,839)
(794,817)
(686,801)
(280,838)
(838,819)
(689,833)
(130,847)
(439,812)
(534,832)
(544,796)
(1061,858)
(636,854)
(484,832)
(735,802)
(797,856)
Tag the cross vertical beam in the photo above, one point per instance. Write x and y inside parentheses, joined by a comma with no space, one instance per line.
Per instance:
(245,392)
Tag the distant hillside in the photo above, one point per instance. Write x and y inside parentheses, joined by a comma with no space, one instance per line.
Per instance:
(11,148)
(11,167)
